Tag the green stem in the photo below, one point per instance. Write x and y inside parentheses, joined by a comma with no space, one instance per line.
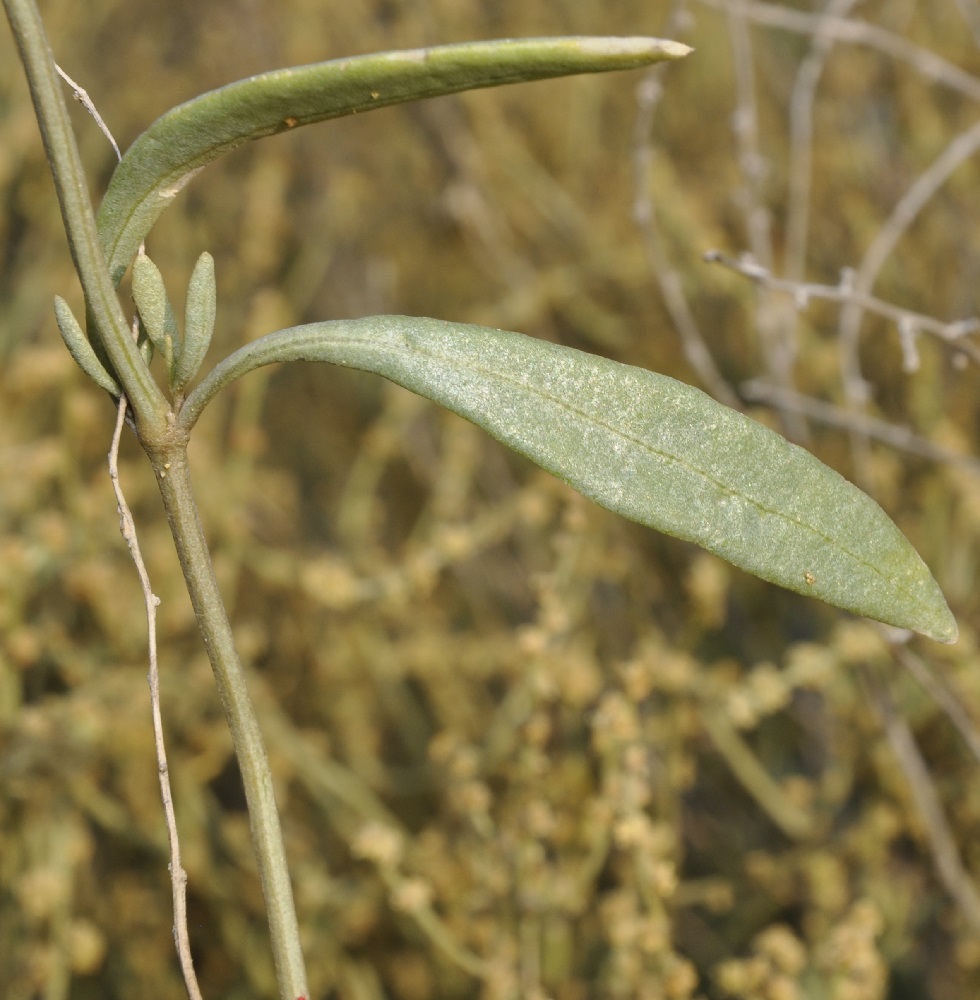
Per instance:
(173,477)
(166,447)
(147,401)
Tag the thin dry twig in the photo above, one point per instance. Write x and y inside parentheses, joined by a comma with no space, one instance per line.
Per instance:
(800,172)
(940,693)
(127,527)
(960,149)
(178,876)
(773,321)
(645,217)
(905,212)
(949,865)
(909,323)
(830,25)
(81,95)
(927,64)
(970,13)
(894,435)
(745,127)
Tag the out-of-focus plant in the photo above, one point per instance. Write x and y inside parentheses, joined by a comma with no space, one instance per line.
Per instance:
(639,444)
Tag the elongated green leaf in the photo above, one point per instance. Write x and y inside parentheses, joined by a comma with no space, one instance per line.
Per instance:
(645,446)
(199,315)
(81,348)
(178,144)
(156,312)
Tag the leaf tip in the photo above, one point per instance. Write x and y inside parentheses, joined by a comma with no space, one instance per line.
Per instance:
(675,50)
(934,620)
(653,49)
(947,631)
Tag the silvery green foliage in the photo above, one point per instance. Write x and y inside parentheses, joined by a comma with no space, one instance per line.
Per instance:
(184,140)
(156,312)
(80,348)
(199,314)
(645,446)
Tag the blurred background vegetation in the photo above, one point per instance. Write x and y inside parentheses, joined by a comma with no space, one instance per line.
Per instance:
(523,748)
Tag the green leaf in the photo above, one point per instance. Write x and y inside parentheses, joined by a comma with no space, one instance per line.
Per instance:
(185,139)
(81,348)
(156,312)
(645,446)
(199,313)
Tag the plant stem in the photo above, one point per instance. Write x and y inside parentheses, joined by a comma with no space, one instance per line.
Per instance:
(148,402)
(178,876)
(173,477)
(166,448)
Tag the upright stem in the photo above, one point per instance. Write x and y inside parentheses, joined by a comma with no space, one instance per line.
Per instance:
(166,446)
(173,477)
(144,396)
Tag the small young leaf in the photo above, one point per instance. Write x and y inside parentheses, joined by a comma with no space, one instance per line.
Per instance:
(156,312)
(185,139)
(645,446)
(81,349)
(198,322)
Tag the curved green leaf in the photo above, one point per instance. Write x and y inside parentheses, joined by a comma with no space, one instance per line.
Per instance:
(645,446)
(81,348)
(185,139)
